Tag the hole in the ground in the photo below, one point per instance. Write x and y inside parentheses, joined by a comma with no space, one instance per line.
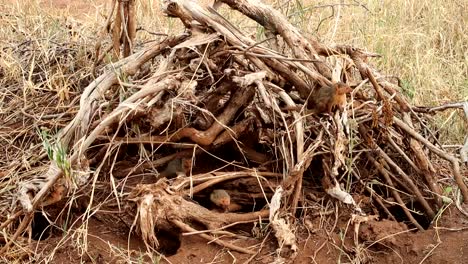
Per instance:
(314,175)
(41,228)
(242,205)
(169,242)
(400,215)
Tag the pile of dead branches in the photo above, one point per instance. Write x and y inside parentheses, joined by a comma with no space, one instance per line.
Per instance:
(239,114)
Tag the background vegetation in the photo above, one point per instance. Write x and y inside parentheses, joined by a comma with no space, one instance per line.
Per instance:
(425,43)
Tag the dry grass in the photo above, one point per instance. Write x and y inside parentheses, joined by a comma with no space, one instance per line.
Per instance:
(425,43)
(46,57)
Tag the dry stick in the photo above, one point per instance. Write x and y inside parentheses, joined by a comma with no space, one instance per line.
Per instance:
(399,182)
(288,74)
(225,137)
(428,171)
(262,66)
(211,104)
(278,57)
(100,58)
(429,253)
(451,229)
(288,155)
(253,155)
(359,59)
(345,49)
(259,249)
(462,105)
(396,179)
(249,43)
(24,224)
(240,98)
(94,90)
(218,177)
(101,36)
(455,165)
(380,152)
(405,107)
(320,79)
(131,24)
(116,31)
(413,186)
(219,228)
(263,93)
(233,134)
(290,63)
(173,206)
(18,231)
(123,109)
(299,168)
(124,38)
(90,94)
(377,88)
(9,219)
(421,157)
(464,152)
(380,202)
(225,177)
(425,165)
(423,124)
(277,23)
(228,234)
(459,105)
(294,63)
(321,76)
(377,197)
(394,192)
(190,10)
(403,154)
(299,132)
(235,38)
(188,228)
(340,139)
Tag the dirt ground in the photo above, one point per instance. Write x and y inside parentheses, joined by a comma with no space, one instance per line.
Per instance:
(396,244)
(381,241)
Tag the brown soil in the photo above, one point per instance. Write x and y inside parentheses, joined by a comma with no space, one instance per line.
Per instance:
(395,243)
(381,241)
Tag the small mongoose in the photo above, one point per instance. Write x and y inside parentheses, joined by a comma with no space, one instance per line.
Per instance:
(174,168)
(220,198)
(329,96)
(326,98)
